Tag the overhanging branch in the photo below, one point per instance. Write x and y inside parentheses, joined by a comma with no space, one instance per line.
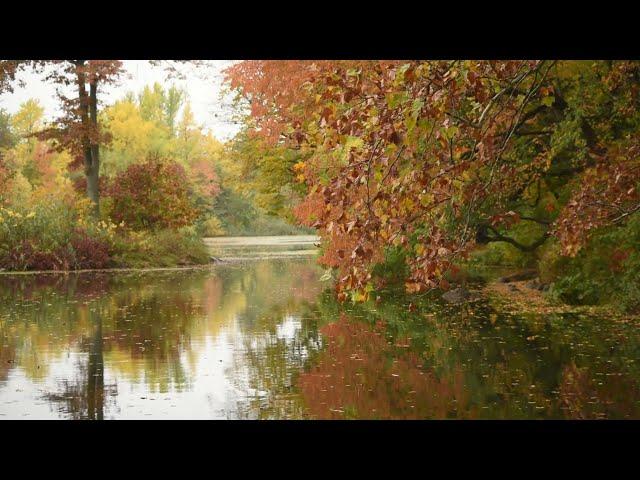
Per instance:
(498,237)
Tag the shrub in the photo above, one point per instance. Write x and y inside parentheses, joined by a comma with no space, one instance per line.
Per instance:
(628,290)
(152,195)
(577,289)
(90,252)
(26,255)
(607,270)
(54,235)
(37,238)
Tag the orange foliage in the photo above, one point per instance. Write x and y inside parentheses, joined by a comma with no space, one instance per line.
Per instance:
(607,195)
(205,177)
(426,155)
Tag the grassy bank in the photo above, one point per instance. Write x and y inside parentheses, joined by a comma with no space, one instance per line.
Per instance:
(58,236)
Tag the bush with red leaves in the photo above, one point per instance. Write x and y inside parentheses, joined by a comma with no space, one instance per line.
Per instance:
(83,252)
(27,256)
(153,194)
(90,252)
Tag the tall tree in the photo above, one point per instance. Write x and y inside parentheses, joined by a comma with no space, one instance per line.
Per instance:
(174,99)
(77,129)
(161,106)
(28,120)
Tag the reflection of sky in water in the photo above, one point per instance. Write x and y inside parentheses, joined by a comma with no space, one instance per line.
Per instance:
(208,364)
(288,328)
(210,392)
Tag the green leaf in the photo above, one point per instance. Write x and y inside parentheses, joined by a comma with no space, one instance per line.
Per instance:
(548,101)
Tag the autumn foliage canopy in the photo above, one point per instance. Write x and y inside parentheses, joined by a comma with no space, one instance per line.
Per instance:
(435,157)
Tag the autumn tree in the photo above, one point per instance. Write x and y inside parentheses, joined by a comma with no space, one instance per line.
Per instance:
(434,157)
(263,172)
(32,167)
(161,106)
(132,138)
(77,130)
(8,137)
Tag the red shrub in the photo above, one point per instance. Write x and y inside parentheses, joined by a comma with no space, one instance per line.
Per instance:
(80,184)
(83,252)
(153,194)
(27,256)
(90,252)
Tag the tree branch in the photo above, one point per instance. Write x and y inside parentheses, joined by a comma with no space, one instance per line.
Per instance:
(498,237)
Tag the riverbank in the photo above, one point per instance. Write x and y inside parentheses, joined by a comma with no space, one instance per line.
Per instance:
(214,263)
(520,291)
(519,297)
(107,270)
(512,292)
(209,252)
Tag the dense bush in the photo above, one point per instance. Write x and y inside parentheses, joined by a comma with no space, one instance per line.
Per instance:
(152,195)
(606,271)
(90,252)
(53,236)
(500,254)
(57,236)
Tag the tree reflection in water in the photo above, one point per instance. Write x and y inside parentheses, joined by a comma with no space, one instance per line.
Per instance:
(437,361)
(84,397)
(363,375)
(86,342)
(262,340)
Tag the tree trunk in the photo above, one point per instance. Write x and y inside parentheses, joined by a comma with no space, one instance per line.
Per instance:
(89,121)
(93,190)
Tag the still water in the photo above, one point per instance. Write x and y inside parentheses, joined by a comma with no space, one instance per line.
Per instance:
(263,338)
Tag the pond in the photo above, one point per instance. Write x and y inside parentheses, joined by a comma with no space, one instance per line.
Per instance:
(261,337)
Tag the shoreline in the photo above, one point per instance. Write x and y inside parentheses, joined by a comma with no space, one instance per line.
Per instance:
(106,270)
(204,266)
(517,298)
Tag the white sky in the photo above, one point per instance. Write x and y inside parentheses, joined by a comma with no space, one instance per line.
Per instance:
(203,85)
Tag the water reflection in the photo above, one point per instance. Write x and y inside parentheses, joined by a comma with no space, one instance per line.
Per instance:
(472,361)
(262,340)
(361,374)
(167,345)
